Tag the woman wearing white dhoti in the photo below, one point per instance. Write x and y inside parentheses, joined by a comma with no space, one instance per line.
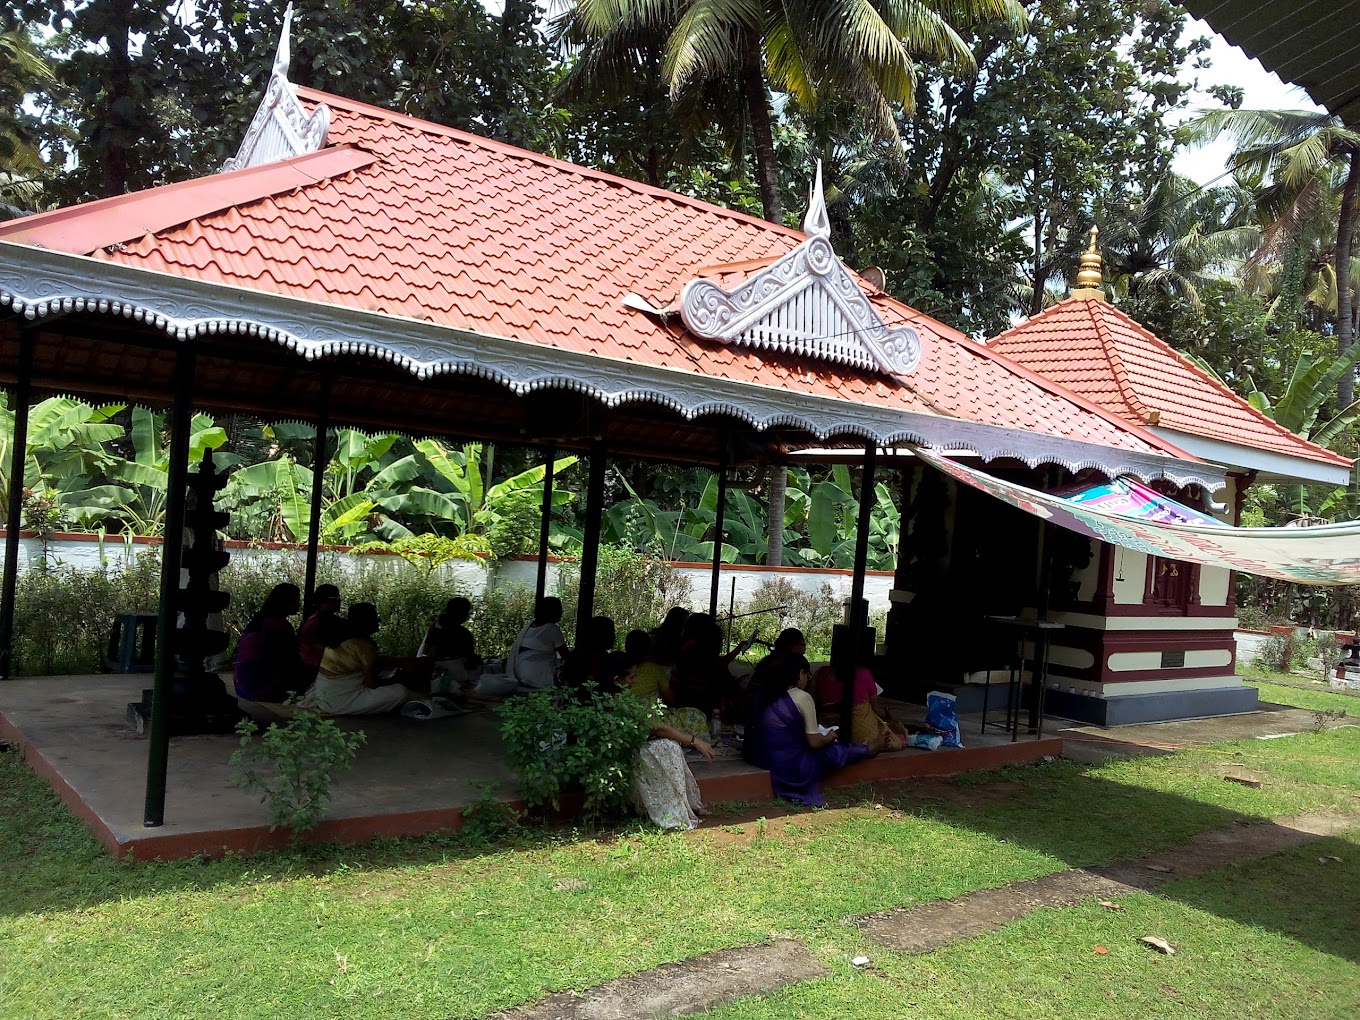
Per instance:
(347,682)
(533,659)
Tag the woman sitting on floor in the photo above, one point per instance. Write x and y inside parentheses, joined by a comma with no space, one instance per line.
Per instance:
(533,659)
(871,721)
(788,742)
(349,680)
(266,666)
(320,622)
(663,786)
(450,645)
(649,681)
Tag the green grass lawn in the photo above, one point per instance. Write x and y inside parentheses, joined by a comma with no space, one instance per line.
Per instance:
(1289,689)
(443,928)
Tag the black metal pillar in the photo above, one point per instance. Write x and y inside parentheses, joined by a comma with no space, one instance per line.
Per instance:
(22,395)
(545,523)
(172,552)
(320,459)
(859,618)
(719,533)
(590,540)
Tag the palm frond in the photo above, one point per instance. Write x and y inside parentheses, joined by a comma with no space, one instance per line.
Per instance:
(708,40)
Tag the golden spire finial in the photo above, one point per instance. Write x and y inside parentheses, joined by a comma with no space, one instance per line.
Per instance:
(1090,274)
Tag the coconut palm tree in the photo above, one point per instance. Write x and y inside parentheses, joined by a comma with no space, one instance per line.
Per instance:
(1293,158)
(22,70)
(806,51)
(1178,236)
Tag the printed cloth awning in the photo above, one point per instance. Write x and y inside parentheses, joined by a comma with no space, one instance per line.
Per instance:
(1327,554)
(1130,498)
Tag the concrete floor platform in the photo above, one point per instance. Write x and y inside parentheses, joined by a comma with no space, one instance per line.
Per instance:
(410,777)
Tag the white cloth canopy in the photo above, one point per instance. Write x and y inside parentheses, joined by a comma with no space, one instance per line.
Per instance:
(1327,554)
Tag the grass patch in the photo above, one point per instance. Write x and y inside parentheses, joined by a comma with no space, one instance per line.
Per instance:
(443,927)
(1273,938)
(1298,694)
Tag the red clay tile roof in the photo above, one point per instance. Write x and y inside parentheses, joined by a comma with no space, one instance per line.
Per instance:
(455,229)
(85,228)
(1092,348)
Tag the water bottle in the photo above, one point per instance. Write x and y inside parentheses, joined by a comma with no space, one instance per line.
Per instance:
(715,729)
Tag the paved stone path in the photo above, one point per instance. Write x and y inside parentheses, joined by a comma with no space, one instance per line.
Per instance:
(675,989)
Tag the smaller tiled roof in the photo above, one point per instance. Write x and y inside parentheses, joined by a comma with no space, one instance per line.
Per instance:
(1093,349)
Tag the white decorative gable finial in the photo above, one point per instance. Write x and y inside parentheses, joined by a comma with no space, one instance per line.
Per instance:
(281,128)
(816,223)
(283,56)
(806,304)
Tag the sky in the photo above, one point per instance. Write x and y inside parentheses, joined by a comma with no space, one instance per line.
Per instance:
(1264,91)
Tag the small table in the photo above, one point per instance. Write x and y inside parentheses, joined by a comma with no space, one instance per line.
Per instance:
(1039,632)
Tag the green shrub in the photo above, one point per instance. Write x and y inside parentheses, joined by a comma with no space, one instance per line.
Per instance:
(63,615)
(785,605)
(487,820)
(516,527)
(556,743)
(1278,653)
(429,551)
(497,617)
(1323,647)
(631,588)
(292,767)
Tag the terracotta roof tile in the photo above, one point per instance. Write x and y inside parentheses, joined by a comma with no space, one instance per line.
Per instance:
(435,224)
(1096,350)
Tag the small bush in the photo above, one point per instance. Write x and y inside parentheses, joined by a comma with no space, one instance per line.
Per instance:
(1323,647)
(498,616)
(292,767)
(556,743)
(487,819)
(63,615)
(1278,653)
(814,613)
(631,588)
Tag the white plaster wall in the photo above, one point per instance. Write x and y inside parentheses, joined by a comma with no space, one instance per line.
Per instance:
(1122,662)
(115,554)
(1089,575)
(1132,567)
(1250,644)
(1073,658)
(1213,586)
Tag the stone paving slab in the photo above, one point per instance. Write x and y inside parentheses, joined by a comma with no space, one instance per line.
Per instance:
(676,989)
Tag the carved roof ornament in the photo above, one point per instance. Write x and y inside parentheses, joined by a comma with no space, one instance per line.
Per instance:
(281,128)
(806,304)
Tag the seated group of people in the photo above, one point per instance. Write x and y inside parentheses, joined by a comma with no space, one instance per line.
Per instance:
(331,661)
(791,718)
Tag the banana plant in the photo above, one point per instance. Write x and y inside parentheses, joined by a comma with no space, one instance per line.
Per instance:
(832,517)
(145,478)
(480,506)
(65,454)
(1299,408)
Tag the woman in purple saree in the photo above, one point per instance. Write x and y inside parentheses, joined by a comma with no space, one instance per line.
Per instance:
(784,738)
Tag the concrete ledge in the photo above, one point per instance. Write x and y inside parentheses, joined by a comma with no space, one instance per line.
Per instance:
(909,764)
(1142,708)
